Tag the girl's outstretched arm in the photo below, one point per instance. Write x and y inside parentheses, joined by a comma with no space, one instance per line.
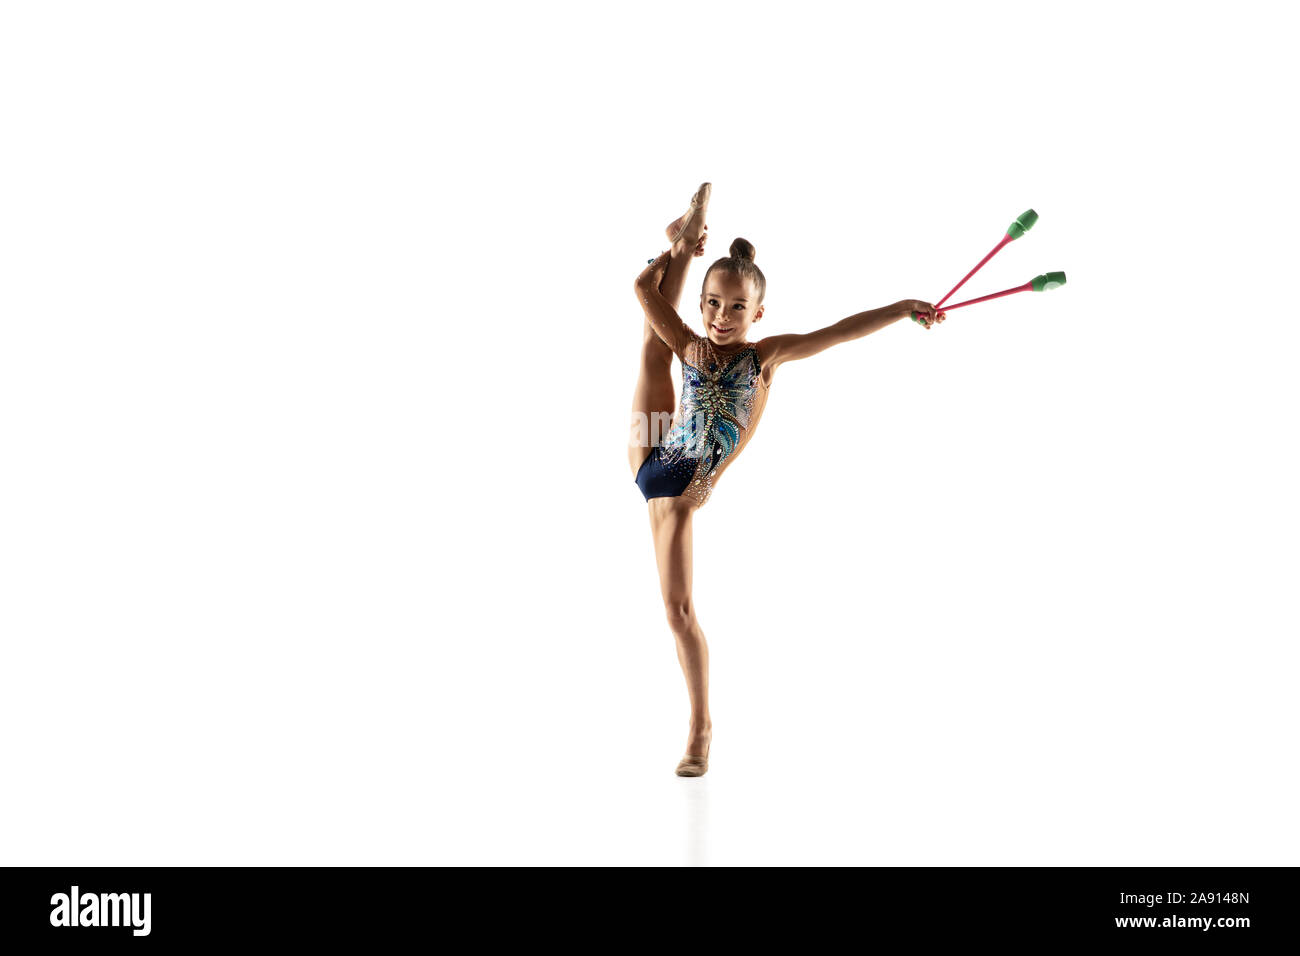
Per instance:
(786,348)
(663,318)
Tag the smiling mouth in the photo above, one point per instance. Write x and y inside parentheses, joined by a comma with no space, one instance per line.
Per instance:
(723,330)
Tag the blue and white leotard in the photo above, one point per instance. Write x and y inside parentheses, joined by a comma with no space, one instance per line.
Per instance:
(723,395)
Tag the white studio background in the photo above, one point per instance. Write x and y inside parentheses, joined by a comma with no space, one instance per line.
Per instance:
(318,542)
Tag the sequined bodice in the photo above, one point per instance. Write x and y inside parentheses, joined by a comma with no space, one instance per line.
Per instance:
(722,396)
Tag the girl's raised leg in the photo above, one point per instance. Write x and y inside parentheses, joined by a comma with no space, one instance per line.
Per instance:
(687,233)
(653,401)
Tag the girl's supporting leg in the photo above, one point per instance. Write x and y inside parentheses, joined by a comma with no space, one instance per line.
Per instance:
(653,401)
(670,523)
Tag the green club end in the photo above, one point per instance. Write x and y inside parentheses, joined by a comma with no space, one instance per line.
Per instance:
(1024,222)
(1048,281)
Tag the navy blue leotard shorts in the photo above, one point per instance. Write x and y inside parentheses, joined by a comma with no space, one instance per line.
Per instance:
(659,480)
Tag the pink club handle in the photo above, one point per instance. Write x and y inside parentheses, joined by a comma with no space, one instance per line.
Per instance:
(1027,287)
(996,249)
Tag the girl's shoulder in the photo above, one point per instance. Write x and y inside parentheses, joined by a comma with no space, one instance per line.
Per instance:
(764,354)
(766,367)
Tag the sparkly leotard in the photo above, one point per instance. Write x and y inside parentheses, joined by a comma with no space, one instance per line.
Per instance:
(723,396)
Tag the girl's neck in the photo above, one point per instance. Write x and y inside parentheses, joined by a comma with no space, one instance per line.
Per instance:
(729,345)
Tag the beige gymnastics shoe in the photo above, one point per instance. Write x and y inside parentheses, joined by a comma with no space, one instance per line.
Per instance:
(694,765)
(689,228)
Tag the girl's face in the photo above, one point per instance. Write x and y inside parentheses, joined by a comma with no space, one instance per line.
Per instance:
(730,306)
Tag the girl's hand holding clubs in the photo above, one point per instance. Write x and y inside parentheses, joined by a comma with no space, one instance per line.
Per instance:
(925,312)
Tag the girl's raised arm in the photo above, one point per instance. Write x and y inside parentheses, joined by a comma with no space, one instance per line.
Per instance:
(663,318)
(776,349)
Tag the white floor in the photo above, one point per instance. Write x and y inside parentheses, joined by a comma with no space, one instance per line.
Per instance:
(851,752)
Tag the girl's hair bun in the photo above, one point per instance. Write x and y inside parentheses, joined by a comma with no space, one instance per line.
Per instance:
(742,249)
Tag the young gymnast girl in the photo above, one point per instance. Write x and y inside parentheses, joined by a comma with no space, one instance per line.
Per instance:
(725,382)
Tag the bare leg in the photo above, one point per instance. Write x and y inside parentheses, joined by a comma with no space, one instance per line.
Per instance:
(670,523)
(674,280)
(653,401)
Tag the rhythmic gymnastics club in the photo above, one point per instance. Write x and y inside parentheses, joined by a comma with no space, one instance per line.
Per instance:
(1024,222)
(1042,283)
